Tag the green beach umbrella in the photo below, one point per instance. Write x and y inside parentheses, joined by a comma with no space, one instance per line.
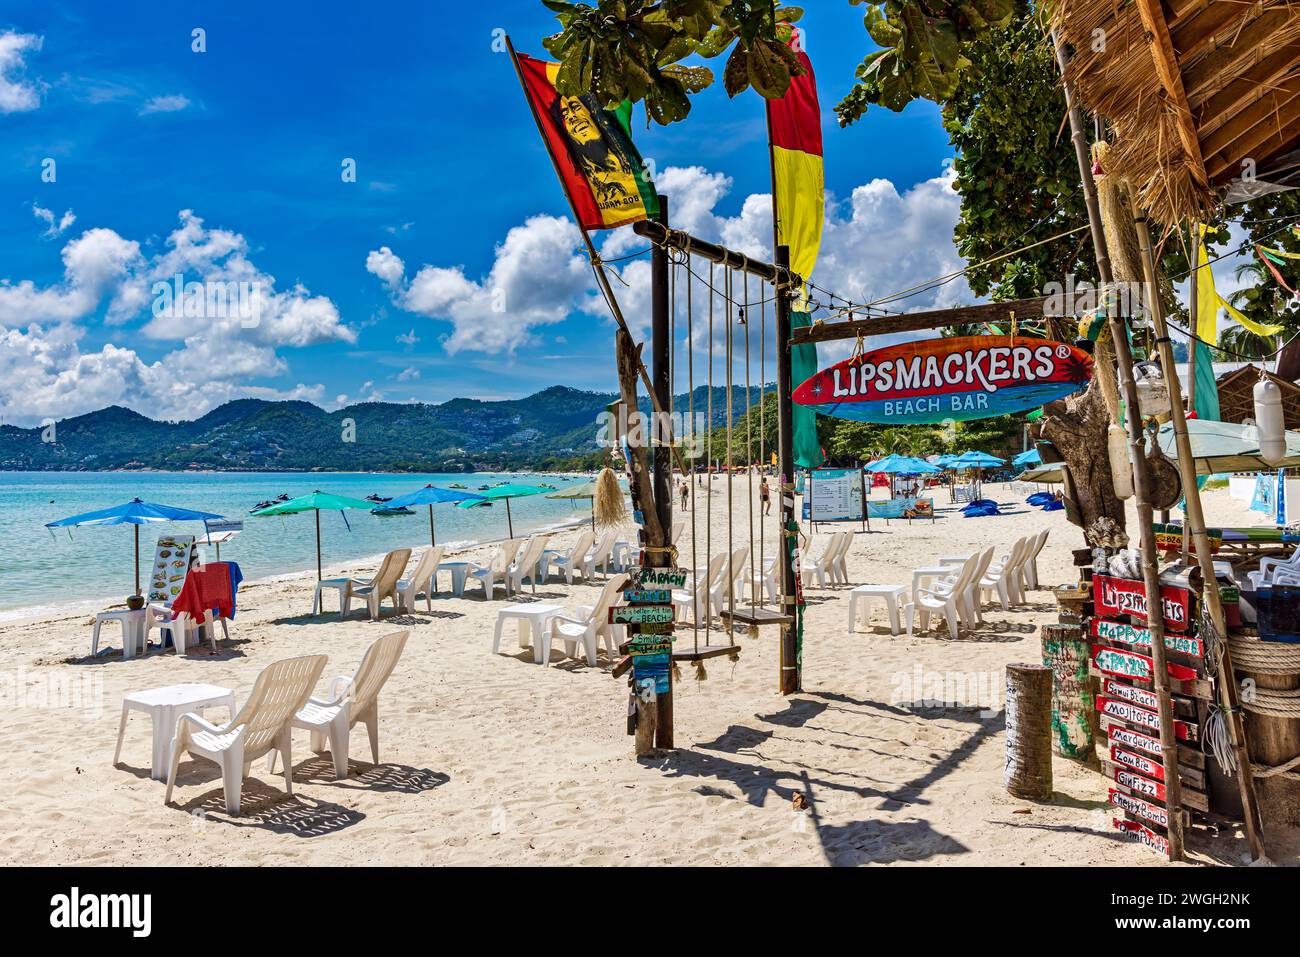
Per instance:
(506,492)
(314,502)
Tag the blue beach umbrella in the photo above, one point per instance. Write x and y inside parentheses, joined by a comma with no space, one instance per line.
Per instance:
(137,513)
(1029,457)
(977,460)
(902,465)
(431,495)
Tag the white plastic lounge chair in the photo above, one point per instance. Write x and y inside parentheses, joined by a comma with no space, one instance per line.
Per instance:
(575,561)
(262,724)
(601,554)
(947,598)
(820,565)
(588,624)
(1003,576)
(1270,567)
(838,565)
(1029,568)
(330,720)
(421,580)
(531,564)
(698,589)
(733,573)
(383,585)
(494,573)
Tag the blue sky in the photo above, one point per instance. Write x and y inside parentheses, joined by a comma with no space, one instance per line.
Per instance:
(250,135)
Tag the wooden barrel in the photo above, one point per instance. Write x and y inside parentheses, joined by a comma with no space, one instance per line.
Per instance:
(1272,737)
(1028,770)
(1065,651)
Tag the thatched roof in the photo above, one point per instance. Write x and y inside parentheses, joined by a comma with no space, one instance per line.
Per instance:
(1237,396)
(1191,88)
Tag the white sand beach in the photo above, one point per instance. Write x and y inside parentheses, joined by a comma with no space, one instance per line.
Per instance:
(492,759)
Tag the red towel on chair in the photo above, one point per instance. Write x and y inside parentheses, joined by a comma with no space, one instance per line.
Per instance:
(206,588)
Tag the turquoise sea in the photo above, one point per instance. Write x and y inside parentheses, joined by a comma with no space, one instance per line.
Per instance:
(42,570)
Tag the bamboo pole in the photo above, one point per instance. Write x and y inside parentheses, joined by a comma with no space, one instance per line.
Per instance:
(1141,475)
(1194,526)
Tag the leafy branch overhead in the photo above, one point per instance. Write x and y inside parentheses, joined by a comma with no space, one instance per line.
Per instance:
(634,50)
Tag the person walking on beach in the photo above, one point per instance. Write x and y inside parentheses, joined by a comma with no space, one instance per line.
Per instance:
(765,496)
(684,487)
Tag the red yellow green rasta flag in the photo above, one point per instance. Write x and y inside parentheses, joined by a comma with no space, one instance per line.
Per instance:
(592,149)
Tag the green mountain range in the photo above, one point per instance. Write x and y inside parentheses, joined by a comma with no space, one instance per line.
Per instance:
(553,429)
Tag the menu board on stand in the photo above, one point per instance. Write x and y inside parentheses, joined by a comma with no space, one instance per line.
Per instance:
(171,563)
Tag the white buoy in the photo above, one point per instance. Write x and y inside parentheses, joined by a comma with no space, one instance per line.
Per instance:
(1269,421)
(1121,469)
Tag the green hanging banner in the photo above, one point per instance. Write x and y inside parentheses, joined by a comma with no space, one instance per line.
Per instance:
(803,366)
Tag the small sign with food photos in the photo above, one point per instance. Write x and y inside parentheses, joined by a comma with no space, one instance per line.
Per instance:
(171,563)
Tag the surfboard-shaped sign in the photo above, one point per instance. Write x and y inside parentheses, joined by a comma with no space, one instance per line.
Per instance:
(937,380)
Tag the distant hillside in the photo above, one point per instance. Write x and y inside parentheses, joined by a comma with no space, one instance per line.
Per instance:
(553,429)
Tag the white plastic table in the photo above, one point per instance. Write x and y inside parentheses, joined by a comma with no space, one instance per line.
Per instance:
(934,571)
(165,706)
(459,572)
(891,595)
(134,630)
(533,618)
(340,585)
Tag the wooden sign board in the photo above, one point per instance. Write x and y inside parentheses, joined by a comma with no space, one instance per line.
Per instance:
(1139,784)
(1129,664)
(650,645)
(1136,806)
(648,596)
(1142,835)
(1142,697)
(654,628)
(1172,541)
(641,576)
(640,614)
(1138,762)
(1140,637)
(1124,596)
(1142,717)
(949,379)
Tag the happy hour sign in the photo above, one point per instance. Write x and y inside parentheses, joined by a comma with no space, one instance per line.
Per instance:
(937,380)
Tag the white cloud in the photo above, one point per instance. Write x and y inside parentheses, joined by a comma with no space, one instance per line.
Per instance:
(53,228)
(44,372)
(876,242)
(17,95)
(407,374)
(166,103)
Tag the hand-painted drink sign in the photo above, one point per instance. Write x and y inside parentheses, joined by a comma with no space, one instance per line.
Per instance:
(1124,596)
(1138,762)
(1138,696)
(1142,834)
(936,380)
(1142,717)
(648,596)
(1129,664)
(639,614)
(1140,637)
(1152,812)
(1140,785)
(1133,739)
(644,577)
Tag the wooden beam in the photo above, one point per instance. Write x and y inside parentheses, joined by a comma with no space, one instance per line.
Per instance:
(1230,59)
(1199,30)
(1248,88)
(1171,78)
(915,321)
(1278,125)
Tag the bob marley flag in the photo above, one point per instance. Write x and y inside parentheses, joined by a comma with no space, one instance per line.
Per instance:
(592,148)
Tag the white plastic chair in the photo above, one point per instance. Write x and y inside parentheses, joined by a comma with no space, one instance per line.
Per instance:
(494,573)
(732,575)
(696,594)
(822,563)
(575,562)
(1269,567)
(947,598)
(531,564)
(262,724)
(601,554)
(421,580)
(1030,565)
(330,720)
(1003,576)
(383,585)
(588,624)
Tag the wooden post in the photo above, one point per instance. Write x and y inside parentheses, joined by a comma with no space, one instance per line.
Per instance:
(1065,651)
(1028,770)
(790,678)
(1141,475)
(318,572)
(661,363)
(1274,739)
(647,721)
(1194,527)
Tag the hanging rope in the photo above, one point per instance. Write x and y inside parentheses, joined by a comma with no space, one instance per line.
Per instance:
(690,406)
(749,454)
(762,433)
(729,350)
(1269,658)
(708,503)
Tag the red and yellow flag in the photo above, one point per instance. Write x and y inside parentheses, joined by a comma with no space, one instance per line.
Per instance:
(599,167)
(797,176)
